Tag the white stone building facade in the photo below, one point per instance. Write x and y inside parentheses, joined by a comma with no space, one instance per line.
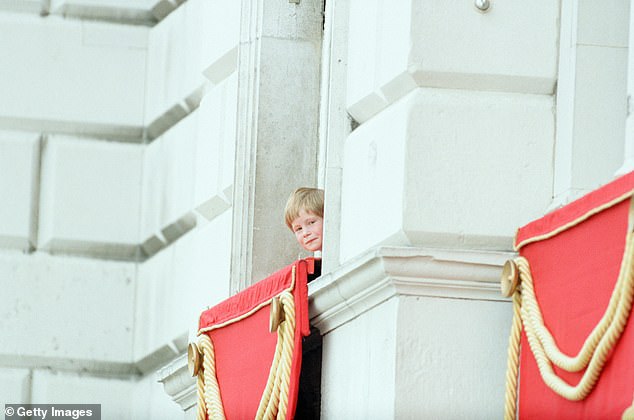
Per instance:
(147,148)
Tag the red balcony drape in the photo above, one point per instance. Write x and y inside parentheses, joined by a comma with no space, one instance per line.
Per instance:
(244,347)
(575,256)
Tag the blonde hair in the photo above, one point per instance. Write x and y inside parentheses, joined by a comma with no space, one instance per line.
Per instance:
(310,200)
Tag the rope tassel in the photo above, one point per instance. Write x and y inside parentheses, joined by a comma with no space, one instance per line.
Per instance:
(209,401)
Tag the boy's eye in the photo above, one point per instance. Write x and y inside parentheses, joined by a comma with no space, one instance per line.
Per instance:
(297,229)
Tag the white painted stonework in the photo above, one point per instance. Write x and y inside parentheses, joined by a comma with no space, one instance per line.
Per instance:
(15,384)
(147,149)
(20,156)
(74,77)
(394,162)
(66,312)
(116,227)
(411,331)
(593,70)
(90,196)
(396,47)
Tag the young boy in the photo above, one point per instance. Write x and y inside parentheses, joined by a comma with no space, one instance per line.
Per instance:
(304,215)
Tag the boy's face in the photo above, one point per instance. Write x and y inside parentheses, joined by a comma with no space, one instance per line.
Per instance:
(308,229)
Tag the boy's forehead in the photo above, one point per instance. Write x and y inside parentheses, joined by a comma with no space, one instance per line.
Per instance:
(304,213)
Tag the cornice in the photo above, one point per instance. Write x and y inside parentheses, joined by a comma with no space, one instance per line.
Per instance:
(178,383)
(384,272)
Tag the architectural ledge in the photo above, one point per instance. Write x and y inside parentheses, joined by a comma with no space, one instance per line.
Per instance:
(383,272)
(178,383)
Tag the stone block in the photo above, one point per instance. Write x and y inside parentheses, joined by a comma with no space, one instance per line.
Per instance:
(182,46)
(19,186)
(170,174)
(372,190)
(71,313)
(600,78)
(15,385)
(216,138)
(194,270)
(220,58)
(179,170)
(358,366)
(91,197)
(154,163)
(114,395)
(395,47)
(153,297)
(447,168)
(101,64)
(462,345)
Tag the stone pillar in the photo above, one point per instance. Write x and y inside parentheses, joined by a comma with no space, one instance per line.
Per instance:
(277,136)
(335,123)
(591,103)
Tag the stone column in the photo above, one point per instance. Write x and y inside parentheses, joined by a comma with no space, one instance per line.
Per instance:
(277,132)
(335,123)
(591,103)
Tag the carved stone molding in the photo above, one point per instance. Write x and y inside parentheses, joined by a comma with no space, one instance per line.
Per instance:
(381,273)
(178,383)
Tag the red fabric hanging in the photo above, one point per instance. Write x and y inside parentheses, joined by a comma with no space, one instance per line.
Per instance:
(574,275)
(244,349)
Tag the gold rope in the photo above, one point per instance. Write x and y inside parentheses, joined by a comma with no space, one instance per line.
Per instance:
(209,401)
(512,367)
(596,348)
(575,221)
(581,360)
(274,402)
